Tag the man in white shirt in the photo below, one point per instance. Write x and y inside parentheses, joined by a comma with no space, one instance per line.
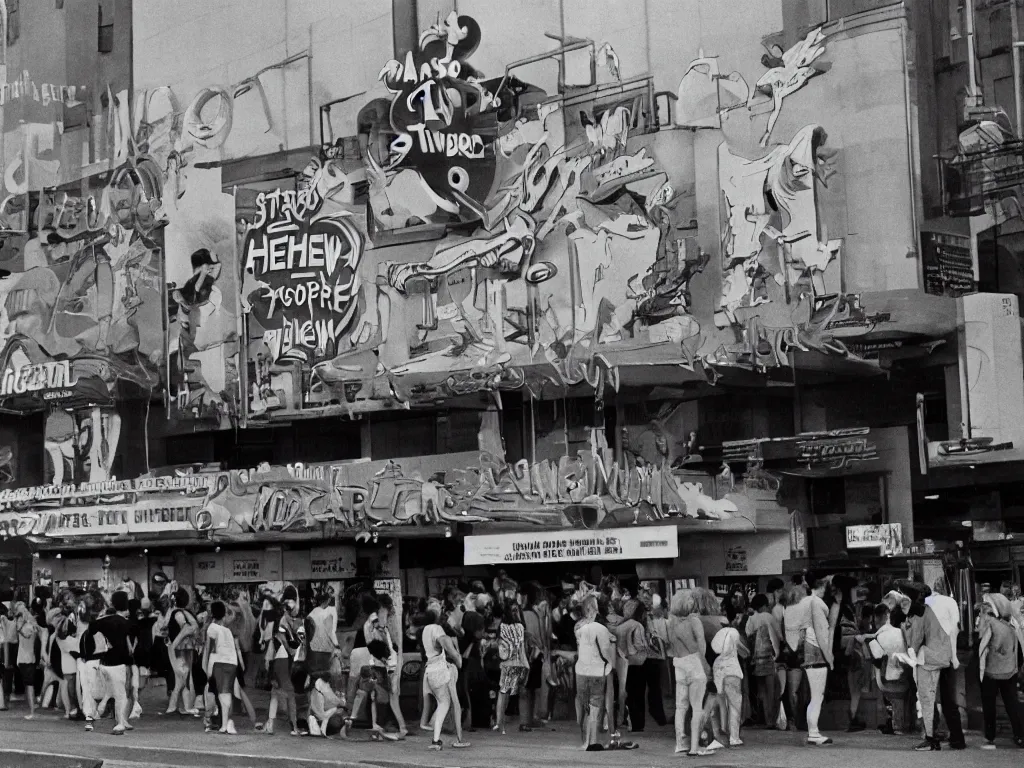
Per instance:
(593,665)
(891,676)
(222,657)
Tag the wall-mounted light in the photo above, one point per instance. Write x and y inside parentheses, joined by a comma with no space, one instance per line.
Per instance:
(932,497)
(59,555)
(448,532)
(217,550)
(145,551)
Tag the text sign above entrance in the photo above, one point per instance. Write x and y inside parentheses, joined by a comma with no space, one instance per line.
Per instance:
(640,543)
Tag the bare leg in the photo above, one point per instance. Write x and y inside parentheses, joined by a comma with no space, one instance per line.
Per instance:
(500,715)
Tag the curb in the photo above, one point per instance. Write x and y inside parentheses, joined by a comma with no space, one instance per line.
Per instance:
(17,758)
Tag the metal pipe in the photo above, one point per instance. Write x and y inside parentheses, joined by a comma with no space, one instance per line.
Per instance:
(972,61)
(912,169)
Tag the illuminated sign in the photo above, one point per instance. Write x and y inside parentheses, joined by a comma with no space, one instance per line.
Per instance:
(641,543)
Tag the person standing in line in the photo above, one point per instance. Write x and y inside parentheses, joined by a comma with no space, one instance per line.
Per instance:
(474,626)
(776,591)
(632,637)
(116,659)
(279,628)
(90,685)
(538,649)
(655,666)
(593,667)
(932,650)
(182,629)
(890,674)
(67,641)
(728,675)
(818,659)
(9,648)
(221,658)
(764,634)
(391,672)
(322,634)
(998,651)
(947,611)
(794,618)
(712,621)
(441,655)
(515,665)
(28,634)
(687,647)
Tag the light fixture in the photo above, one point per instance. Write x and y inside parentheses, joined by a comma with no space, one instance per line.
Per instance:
(448,532)
(375,536)
(932,497)
(217,550)
(59,555)
(145,551)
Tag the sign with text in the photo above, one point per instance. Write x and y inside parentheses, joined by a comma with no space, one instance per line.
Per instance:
(640,543)
(244,566)
(332,562)
(886,537)
(208,569)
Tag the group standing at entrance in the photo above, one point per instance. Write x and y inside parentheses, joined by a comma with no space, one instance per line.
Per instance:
(765,660)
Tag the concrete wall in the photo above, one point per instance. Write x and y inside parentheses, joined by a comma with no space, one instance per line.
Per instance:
(192,44)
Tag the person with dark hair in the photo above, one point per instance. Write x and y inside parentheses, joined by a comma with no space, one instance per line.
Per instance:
(818,658)
(538,630)
(515,666)
(442,656)
(634,642)
(182,630)
(28,659)
(279,626)
(112,633)
(221,659)
(326,716)
(891,676)
(765,637)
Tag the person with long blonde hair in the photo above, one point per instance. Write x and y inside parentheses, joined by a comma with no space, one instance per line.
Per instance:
(687,647)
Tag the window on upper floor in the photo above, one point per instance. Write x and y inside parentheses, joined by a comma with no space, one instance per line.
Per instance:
(13,21)
(105,28)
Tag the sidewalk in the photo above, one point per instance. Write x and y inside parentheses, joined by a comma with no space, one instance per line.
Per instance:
(174,741)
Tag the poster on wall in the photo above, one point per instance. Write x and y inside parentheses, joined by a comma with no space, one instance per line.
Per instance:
(202,286)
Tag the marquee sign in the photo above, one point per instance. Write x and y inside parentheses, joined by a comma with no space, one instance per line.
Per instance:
(641,543)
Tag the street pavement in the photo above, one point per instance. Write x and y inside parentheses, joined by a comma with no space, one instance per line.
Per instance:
(173,742)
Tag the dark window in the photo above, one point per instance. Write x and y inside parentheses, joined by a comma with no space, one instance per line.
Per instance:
(105,35)
(13,21)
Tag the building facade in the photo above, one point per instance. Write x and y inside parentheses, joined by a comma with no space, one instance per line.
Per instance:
(672,290)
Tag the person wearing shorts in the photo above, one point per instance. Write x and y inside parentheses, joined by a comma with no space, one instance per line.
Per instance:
(221,660)
(593,666)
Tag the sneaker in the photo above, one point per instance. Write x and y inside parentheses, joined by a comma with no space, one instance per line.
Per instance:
(88,723)
(715,745)
(118,731)
(136,712)
(819,741)
(231,728)
(735,742)
(929,745)
(988,745)
(460,744)
(436,745)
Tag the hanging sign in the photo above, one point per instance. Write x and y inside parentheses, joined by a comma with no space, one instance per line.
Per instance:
(640,543)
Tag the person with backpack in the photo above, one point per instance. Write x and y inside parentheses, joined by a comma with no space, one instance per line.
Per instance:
(515,666)
(182,634)
(279,627)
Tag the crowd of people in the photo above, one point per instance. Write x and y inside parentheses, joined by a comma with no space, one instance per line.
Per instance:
(762,660)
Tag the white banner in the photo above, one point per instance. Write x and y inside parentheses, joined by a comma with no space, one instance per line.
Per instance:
(639,543)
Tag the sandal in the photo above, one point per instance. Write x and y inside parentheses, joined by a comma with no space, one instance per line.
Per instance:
(699,753)
(460,744)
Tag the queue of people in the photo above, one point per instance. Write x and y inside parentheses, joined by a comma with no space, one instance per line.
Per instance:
(488,653)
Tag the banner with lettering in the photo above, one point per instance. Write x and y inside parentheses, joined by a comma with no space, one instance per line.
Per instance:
(646,543)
